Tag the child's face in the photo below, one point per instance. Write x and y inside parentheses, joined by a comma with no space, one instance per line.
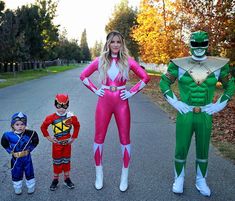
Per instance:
(61,110)
(19,126)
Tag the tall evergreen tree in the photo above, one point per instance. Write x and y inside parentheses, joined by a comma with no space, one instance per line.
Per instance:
(96,50)
(2,6)
(27,16)
(50,31)
(41,35)
(68,49)
(12,44)
(122,20)
(84,47)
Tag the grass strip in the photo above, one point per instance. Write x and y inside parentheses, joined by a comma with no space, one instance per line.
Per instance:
(11,78)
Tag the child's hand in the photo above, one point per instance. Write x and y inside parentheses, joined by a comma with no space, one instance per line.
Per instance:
(71,140)
(53,140)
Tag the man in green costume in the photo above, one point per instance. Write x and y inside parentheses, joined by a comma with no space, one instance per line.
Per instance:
(197,77)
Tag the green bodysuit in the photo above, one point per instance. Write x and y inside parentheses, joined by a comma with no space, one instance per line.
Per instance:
(197,83)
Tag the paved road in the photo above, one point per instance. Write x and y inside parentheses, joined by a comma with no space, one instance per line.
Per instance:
(152,132)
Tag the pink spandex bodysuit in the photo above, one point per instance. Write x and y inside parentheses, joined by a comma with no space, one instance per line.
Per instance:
(111,103)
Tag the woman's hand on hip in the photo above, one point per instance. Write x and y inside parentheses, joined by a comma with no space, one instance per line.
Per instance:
(125,94)
(100,92)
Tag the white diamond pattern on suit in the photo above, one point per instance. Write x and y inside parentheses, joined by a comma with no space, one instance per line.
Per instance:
(113,71)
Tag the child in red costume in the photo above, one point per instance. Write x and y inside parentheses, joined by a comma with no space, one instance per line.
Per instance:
(62,122)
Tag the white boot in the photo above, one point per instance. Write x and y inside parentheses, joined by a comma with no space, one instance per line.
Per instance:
(201,184)
(99,177)
(31,185)
(18,191)
(124,180)
(18,187)
(178,185)
(31,190)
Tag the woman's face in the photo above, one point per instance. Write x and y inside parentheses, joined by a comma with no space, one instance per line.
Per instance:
(115,45)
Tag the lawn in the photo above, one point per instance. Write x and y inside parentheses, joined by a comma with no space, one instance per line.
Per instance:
(10,78)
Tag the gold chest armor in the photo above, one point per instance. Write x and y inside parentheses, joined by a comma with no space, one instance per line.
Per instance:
(200,70)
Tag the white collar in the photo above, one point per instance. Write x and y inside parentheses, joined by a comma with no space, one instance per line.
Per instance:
(198,58)
(61,114)
(114,55)
(17,132)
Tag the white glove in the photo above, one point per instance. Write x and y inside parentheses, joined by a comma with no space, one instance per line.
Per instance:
(182,107)
(100,92)
(126,94)
(214,107)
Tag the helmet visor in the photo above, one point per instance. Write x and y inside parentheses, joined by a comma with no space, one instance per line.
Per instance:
(199,44)
(58,106)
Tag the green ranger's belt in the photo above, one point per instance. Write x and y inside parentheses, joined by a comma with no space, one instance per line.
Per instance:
(197,109)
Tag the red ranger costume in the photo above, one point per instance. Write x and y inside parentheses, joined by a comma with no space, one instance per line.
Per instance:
(61,147)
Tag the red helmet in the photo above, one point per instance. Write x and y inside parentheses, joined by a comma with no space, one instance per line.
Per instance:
(62,101)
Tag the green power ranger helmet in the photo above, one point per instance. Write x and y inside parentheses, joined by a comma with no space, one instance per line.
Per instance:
(199,43)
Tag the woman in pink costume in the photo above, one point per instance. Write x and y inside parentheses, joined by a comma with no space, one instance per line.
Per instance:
(113,66)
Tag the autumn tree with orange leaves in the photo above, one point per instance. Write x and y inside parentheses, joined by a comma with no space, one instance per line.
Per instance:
(217,17)
(159,32)
(164,25)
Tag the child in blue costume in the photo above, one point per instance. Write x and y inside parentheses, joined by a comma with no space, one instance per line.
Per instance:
(20,142)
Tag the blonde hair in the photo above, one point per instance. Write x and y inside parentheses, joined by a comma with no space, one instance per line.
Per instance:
(105,58)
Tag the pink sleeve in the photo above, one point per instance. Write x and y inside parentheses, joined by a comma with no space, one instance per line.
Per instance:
(87,72)
(141,73)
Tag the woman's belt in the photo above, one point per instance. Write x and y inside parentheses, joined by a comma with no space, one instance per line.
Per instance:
(20,154)
(113,88)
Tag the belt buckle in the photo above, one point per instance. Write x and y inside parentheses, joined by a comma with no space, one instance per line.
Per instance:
(113,88)
(23,153)
(196,109)
(16,154)
(63,142)
(20,154)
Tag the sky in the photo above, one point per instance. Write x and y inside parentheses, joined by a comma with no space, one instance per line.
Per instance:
(77,15)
